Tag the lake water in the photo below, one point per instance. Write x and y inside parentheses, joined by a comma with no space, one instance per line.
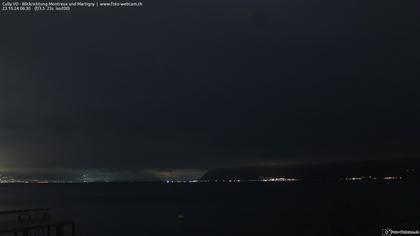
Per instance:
(225,209)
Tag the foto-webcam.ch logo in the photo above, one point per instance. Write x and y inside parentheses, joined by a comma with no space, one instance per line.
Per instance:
(389,231)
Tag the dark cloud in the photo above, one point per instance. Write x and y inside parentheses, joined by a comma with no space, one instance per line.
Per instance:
(203,84)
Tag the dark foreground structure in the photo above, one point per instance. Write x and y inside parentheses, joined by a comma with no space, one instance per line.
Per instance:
(34,222)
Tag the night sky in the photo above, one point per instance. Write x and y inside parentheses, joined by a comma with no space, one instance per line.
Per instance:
(175,88)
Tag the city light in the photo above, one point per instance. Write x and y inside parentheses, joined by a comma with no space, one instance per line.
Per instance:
(392,178)
(264,179)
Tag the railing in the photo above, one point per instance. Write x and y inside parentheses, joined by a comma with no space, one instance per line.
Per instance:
(33,222)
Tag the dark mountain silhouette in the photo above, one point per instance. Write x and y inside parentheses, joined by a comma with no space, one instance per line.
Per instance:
(406,168)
